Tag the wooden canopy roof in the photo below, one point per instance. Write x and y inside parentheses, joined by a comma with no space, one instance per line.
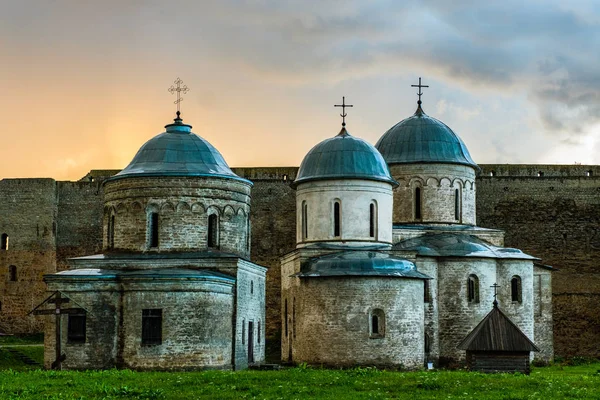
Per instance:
(496,332)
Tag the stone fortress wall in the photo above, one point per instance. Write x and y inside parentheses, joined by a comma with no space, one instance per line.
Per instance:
(550,211)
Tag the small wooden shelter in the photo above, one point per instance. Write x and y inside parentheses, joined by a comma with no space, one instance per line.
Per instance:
(497,345)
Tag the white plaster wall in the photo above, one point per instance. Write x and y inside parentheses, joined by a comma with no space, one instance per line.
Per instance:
(438,183)
(355,197)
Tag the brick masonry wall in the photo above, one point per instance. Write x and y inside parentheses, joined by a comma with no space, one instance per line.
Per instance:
(28,210)
(329,320)
(555,217)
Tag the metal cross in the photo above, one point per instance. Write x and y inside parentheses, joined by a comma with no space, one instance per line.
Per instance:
(179,90)
(495,286)
(419,92)
(343,105)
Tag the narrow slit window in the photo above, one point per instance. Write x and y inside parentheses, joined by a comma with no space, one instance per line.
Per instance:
(294,317)
(426,298)
(4,242)
(111,232)
(473,289)
(213,231)
(515,289)
(456,204)
(258,332)
(76,328)
(243,331)
(154,230)
(372,219)
(427,344)
(151,327)
(286,316)
(418,203)
(304,220)
(377,324)
(336,219)
(12,273)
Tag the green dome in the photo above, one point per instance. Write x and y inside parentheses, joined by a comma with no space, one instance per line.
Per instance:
(178,152)
(343,157)
(423,139)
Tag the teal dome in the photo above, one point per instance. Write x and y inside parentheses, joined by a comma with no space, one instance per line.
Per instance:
(423,139)
(178,152)
(343,157)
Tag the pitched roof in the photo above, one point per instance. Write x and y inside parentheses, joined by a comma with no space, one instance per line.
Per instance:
(496,332)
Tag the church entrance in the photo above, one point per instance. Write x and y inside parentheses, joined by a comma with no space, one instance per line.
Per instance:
(250,342)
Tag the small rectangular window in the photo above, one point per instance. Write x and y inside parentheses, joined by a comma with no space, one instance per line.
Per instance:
(76,328)
(151,326)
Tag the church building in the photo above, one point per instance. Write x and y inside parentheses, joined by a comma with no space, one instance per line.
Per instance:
(173,287)
(390,268)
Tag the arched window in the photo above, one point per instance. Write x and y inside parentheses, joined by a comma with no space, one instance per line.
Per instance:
(418,203)
(515,289)
(377,323)
(457,204)
(372,219)
(304,220)
(12,273)
(154,230)
(4,242)
(336,218)
(213,231)
(473,289)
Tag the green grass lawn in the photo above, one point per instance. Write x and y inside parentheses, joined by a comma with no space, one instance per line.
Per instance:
(34,338)
(556,382)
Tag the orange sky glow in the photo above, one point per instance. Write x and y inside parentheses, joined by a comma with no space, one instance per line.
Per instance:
(84,84)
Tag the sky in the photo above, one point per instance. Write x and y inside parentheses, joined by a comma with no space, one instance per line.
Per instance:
(83,83)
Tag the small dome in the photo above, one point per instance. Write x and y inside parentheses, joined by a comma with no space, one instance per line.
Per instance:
(343,157)
(423,139)
(178,152)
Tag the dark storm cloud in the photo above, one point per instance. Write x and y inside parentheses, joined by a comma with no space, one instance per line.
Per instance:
(546,50)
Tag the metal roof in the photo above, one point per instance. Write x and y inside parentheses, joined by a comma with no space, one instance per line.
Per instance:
(178,152)
(343,157)
(359,263)
(458,245)
(162,273)
(496,332)
(423,139)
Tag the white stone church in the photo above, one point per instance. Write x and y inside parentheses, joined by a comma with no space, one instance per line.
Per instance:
(390,268)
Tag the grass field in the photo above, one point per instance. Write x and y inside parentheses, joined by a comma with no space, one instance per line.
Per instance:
(555,382)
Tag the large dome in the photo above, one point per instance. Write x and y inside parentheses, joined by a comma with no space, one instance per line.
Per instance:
(178,152)
(343,157)
(423,139)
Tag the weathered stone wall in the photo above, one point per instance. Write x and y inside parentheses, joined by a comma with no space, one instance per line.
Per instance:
(438,184)
(183,206)
(542,314)
(273,227)
(79,220)
(325,315)
(250,308)
(555,217)
(28,209)
(102,301)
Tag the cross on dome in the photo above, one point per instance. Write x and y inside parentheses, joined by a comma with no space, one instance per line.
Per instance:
(419,93)
(179,90)
(343,105)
